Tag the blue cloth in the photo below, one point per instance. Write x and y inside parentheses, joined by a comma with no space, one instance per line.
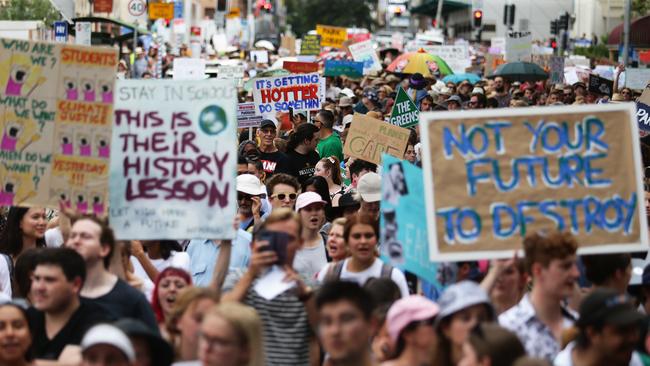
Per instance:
(203,256)
(417,95)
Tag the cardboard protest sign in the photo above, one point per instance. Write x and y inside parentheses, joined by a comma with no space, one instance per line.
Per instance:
(519,46)
(56,105)
(310,45)
(331,36)
(600,85)
(637,79)
(350,69)
(173,163)
(186,68)
(288,43)
(295,67)
(643,111)
(368,138)
(230,72)
(302,92)
(557,69)
(246,116)
(260,56)
(365,52)
(405,113)
(492,177)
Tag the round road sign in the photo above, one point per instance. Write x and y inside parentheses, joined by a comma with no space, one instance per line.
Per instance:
(137,7)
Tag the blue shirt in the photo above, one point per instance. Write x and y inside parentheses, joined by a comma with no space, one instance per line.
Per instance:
(204,253)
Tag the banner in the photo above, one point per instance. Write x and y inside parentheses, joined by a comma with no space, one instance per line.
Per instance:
(405,113)
(246,116)
(331,36)
(302,92)
(295,67)
(230,72)
(365,52)
(310,45)
(56,104)
(368,138)
(637,79)
(493,177)
(557,69)
(350,69)
(519,46)
(600,85)
(643,111)
(173,166)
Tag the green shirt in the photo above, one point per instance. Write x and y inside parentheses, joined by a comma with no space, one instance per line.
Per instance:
(331,146)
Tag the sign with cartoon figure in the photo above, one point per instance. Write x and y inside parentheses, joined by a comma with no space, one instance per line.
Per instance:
(173,164)
(55,116)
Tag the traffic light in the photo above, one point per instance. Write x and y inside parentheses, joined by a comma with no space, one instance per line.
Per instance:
(509,15)
(553,43)
(222,6)
(478,18)
(564,21)
(397,12)
(554,26)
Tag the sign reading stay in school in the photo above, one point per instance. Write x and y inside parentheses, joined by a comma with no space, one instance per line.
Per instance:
(331,36)
(368,138)
(494,177)
(174,157)
(301,92)
(56,107)
(405,113)
(350,69)
(310,45)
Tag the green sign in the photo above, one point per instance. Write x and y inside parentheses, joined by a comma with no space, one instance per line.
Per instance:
(351,69)
(405,113)
(310,45)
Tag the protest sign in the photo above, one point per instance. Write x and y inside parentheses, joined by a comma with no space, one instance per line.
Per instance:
(350,69)
(365,52)
(302,92)
(288,43)
(260,56)
(230,72)
(173,166)
(295,67)
(491,63)
(310,45)
(557,69)
(492,177)
(600,85)
(456,56)
(186,68)
(56,105)
(246,116)
(637,79)
(519,46)
(83,33)
(368,138)
(498,45)
(331,36)
(405,113)
(643,111)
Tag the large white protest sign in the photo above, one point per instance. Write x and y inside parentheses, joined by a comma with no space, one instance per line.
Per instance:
(456,56)
(637,78)
(186,68)
(230,72)
(365,52)
(301,92)
(174,158)
(519,46)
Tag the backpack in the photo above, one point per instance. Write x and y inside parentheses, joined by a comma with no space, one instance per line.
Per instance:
(334,272)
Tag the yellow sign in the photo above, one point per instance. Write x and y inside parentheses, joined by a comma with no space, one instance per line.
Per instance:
(332,36)
(234,13)
(161,10)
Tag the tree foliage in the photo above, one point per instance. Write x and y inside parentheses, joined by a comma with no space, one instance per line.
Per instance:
(640,8)
(303,15)
(30,10)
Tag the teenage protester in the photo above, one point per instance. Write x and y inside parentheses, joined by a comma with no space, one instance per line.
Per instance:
(58,317)
(505,282)
(319,185)
(612,271)
(272,159)
(15,335)
(357,169)
(335,245)
(312,256)
(167,287)
(93,239)
(490,344)
(345,324)
(149,258)
(330,169)
(282,190)
(301,152)
(249,201)
(463,306)
(105,344)
(150,349)
(361,234)
(410,327)
(285,319)
(608,332)
(369,188)
(330,143)
(409,153)
(540,318)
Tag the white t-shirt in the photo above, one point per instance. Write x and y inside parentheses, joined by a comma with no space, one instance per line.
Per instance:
(5,278)
(564,358)
(308,261)
(373,271)
(176,259)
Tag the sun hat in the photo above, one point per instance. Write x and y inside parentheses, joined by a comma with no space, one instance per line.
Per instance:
(460,296)
(307,198)
(109,335)
(250,184)
(407,310)
(345,102)
(369,187)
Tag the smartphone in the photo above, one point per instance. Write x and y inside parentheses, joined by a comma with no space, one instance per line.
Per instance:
(277,242)
(290,113)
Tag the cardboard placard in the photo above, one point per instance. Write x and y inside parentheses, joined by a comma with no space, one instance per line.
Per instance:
(331,36)
(56,108)
(246,116)
(365,52)
(492,177)
(302,92)
(405,113)
(368,138)
(296,67)
(310,45)
(289,43)
(173,166)
(350,69)
(600,85)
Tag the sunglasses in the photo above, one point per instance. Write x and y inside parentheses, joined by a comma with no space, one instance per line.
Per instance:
(244,196)
(283,196)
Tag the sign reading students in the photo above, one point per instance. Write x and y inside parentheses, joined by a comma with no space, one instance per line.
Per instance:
(492,177)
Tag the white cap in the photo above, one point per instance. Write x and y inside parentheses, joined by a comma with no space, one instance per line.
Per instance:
(250,184)
(307,198)
(369,187)
(109,335)
(347,92)
(477,90)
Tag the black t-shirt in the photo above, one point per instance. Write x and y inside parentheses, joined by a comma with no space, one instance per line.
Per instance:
(300,165)
(81,320)
(274,162)
(124,301)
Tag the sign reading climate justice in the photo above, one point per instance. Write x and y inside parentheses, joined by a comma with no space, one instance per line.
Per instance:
(494,177)
(301,92)
(174,158)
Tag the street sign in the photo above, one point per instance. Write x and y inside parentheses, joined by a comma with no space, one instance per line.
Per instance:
(82,33)
(136,12)
(103,6)
(61,31)
(161,11)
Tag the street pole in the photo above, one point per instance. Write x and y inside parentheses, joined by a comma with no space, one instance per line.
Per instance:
(626,33)
(439,14)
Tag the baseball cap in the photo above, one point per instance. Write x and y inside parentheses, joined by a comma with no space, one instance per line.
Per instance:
(109,335)
(267,123)
(407,310)
(606,306)
(307,198)
(369,187)
(460,296)
(345,102)
(161,352)
(454,98)
(248,183)
(347,120)
(347,200)
(346,92)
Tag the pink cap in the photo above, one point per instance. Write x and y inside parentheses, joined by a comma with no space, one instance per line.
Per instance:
(307,198)
(407,310)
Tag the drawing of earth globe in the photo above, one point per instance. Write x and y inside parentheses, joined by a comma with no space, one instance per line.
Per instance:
(212,120)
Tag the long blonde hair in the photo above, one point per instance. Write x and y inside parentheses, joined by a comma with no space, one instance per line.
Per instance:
(248,326)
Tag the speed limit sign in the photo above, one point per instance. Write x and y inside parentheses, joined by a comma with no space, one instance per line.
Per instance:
(137,8)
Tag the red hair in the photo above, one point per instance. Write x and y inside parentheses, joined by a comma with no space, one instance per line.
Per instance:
(169,271)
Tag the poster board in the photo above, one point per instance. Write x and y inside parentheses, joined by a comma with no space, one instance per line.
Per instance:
(404,113)
(600,85)
(477,208)
(260,56)
(186,68)
(302,92)
(637,79)
(310,45)
(519,46)
(350,69)
(368,138)
(173,165)
(56,107)
(230,72)
(643,111)
(365,52)
(246,116)
(456,56)
(557,69)
(331,36)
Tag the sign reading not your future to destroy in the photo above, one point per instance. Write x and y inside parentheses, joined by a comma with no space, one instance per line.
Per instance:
(494,177)
(173,161)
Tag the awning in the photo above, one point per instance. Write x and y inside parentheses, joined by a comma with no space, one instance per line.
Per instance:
(639,35)
(430,7)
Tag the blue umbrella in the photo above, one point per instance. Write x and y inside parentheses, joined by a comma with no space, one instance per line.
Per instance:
(457,78)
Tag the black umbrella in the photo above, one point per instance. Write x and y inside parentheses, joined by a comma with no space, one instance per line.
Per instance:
(520,71)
